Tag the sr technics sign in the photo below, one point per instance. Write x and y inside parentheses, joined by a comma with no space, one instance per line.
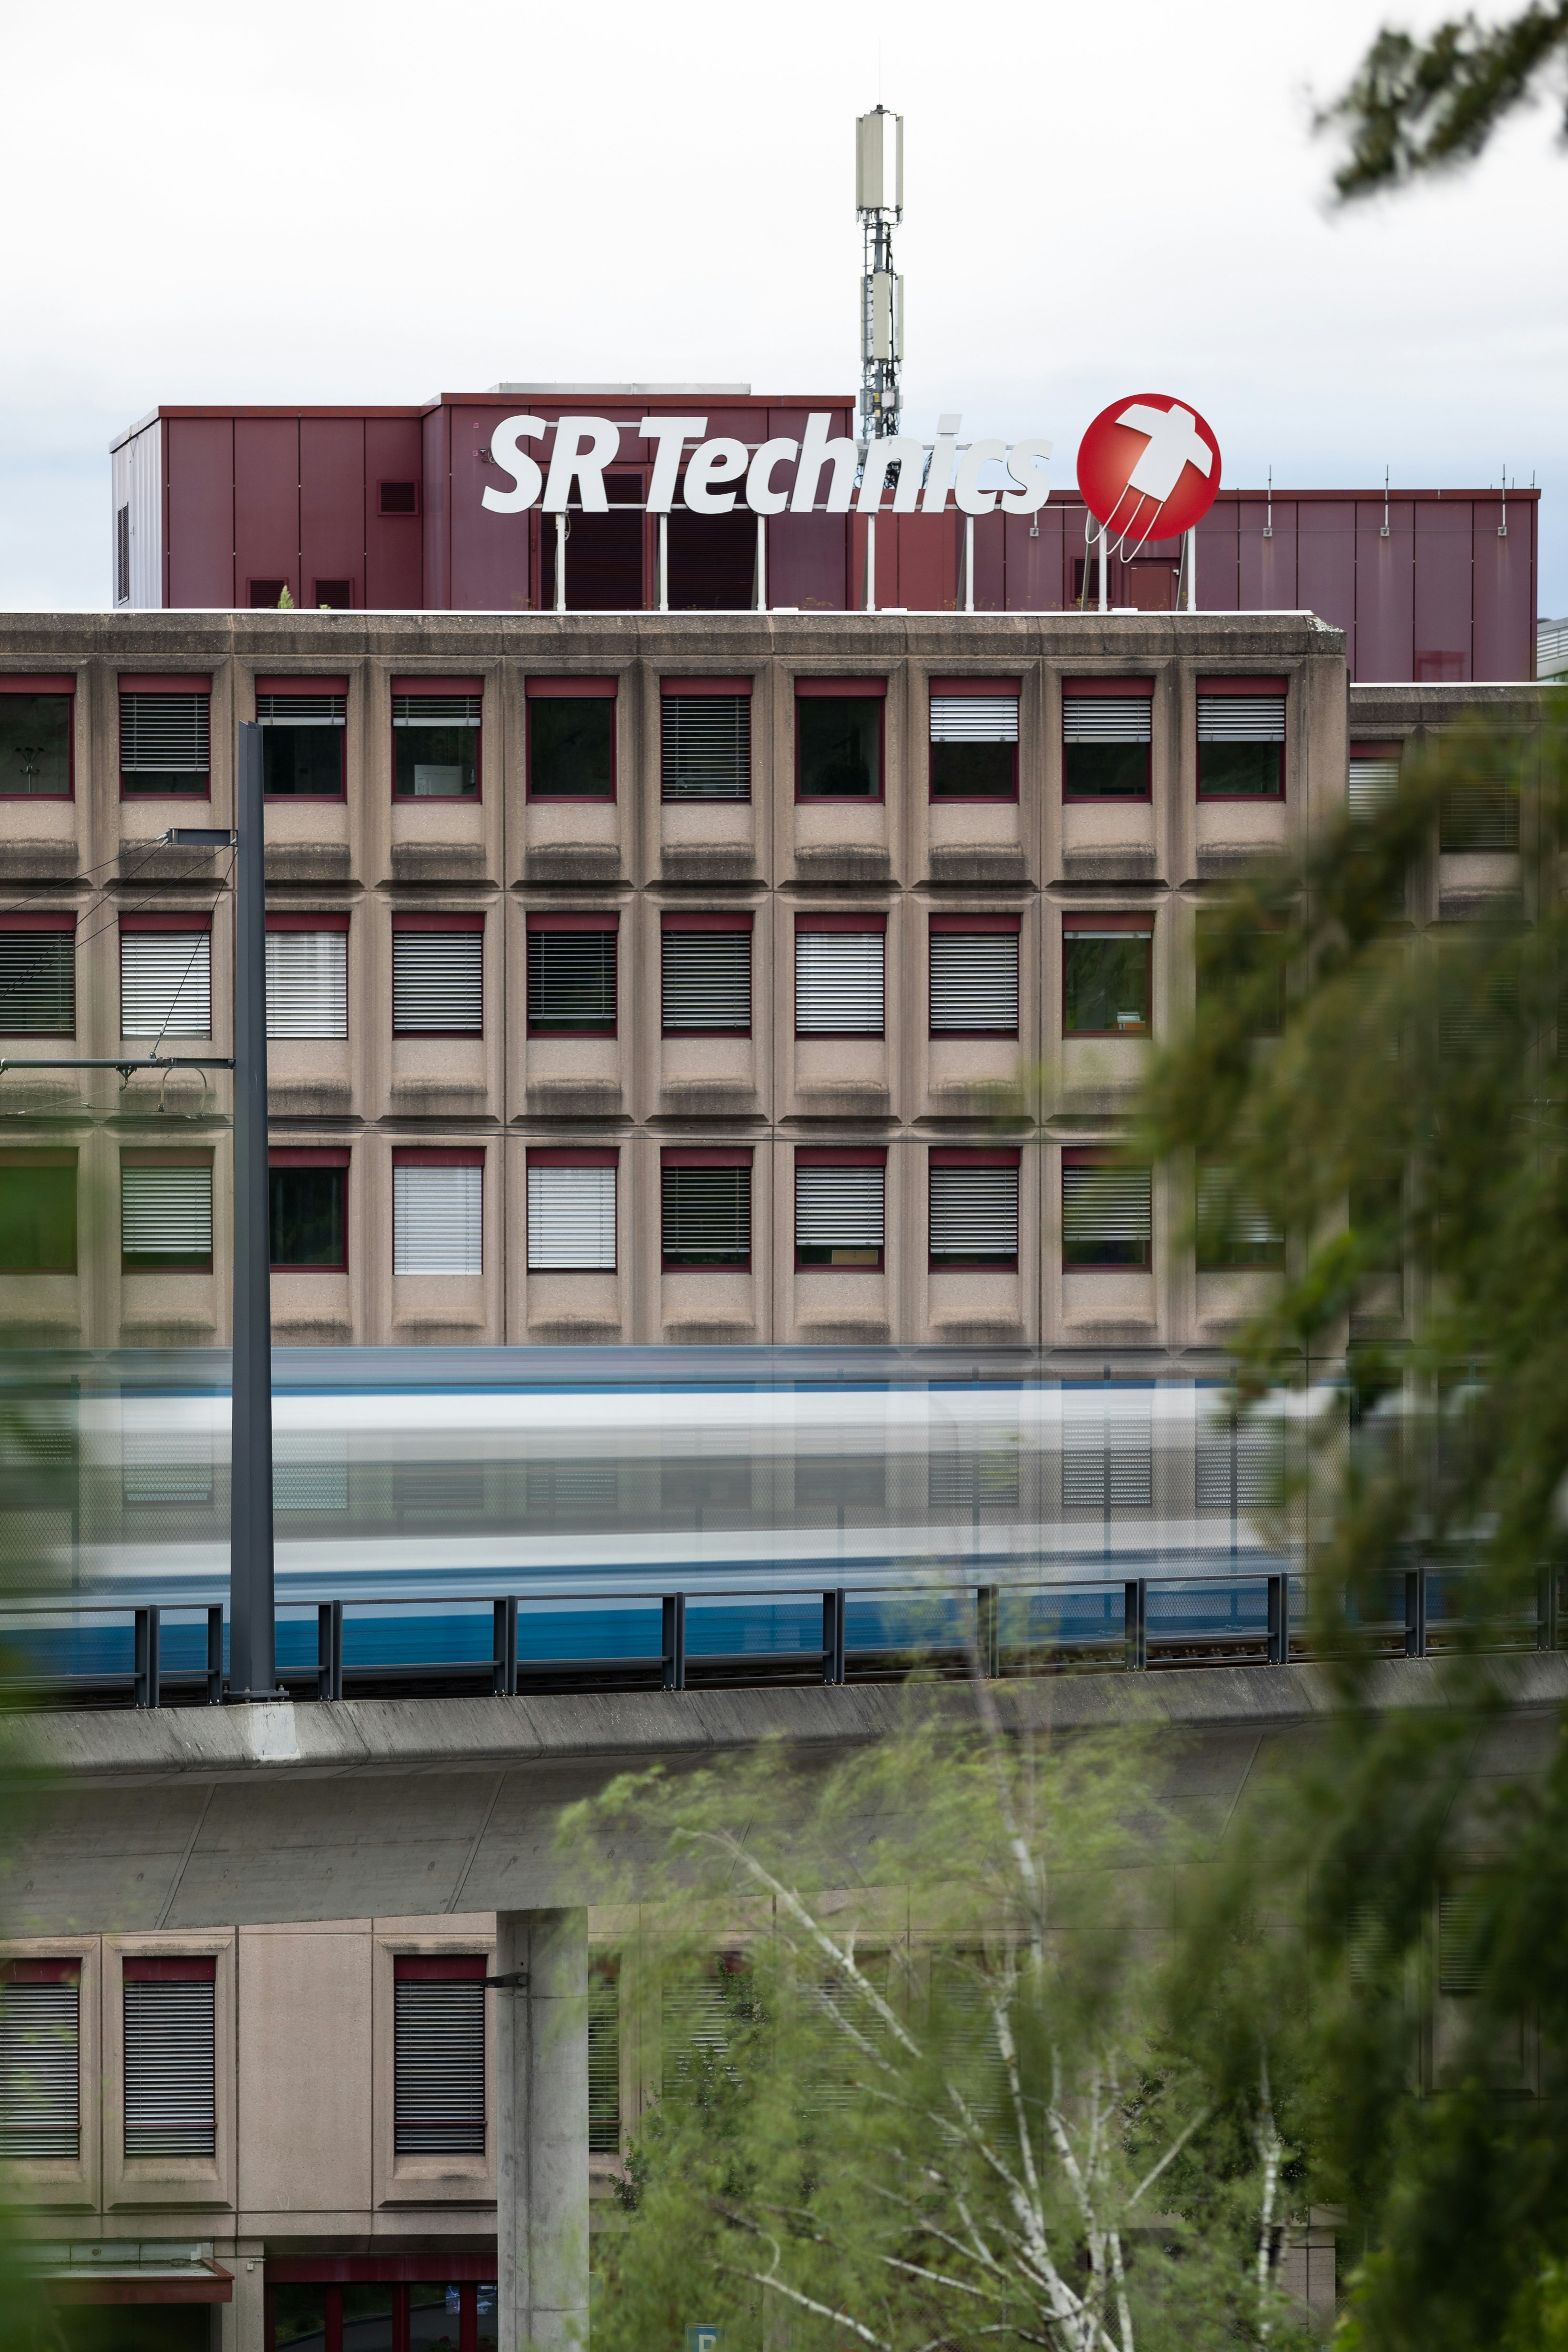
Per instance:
(781,475)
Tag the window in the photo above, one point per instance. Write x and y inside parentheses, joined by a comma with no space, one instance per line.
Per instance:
(839,1207)
(336,596)
(37,974)
(973,1209)
(171,2049)
(437,975)
(975,975)
(36,738)
(958,1484)
(164,737)
(266,595)
(1480,816)
(303,724)
(122,555)
(1107,736)
(604,2058)
(37,1212)
(571,739)
(706,1209)
(838,975)
(165,977)
(1241,739)
(40,2060)
(1373,778)
(1236,1466)
(308,1206)
(1232,1229)
(571,1211)
(1108,1210)
(838,738)
(166,1212)
(974,738)
(436,737)
(706,747)
(438,2055)
(706,983)
(437,1211)
(571,974)
(1107,1449)
(398,497)
(1241,973)
(1107,975)
(307,976)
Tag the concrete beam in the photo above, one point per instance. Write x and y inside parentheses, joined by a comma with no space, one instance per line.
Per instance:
(542,2138)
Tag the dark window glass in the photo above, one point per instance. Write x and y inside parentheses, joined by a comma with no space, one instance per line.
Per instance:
(436,763)
(303,759)
(338,595)
(299,2319)
(708,1216)
(130,2327)
(1241,770)
(713,561)
(604,552)
(571,746)
(35,743)
(367,2318)
(489,2321)
(973,771)
(267,594)
(399,497)
(37,1219)
(571,979)
(434,2320)
(307,1215)
(840,746)
(1105,771)
(1106,985)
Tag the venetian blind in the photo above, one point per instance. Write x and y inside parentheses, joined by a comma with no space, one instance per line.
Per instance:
(437,983)
(438,2065)
(973,1212)
(571,1218)
(974,982)
(838,983)
(166,984)
(307,983)
(707,980)
(37,983)
(437,1218)
(706,751)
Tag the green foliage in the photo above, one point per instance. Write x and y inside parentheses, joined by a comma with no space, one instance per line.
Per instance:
(1416,107)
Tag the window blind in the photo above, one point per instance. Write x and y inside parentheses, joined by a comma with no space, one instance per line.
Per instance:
(838,983)
(37,983)
(571,1218)
(571,979)
(957,1482)
(437,983)
(1108,1215)
(1241,718)
(975,718)
(41,2061)
(707,980)
(1373,785)
(437,1218)
(707,1216)
(1460,1916)
(171,2047)
(1108,719)
(839,1211)
(166,984)
(164,734)
(307,983)
(696,2025)
(1236,1471)
(435,709)
(439,2064)
(603,2061)
(166,1212)
(1232,1229)
(301,709)
(973,1212)
(1108,1456)
(974,982)
(166,1466)
(706,751)
(1478,817)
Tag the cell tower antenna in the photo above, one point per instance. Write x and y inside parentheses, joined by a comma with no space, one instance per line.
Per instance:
(880,202)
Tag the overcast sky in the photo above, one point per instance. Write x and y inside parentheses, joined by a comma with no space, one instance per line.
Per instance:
(341,202)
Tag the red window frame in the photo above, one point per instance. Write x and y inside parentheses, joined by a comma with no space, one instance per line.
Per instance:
(963,1155)
(1109,689)
(311,1156)
(581,689)
(864,689)
(1092,920)
(61,683)
(1212,686)
(581,919)
(843,1155)
(972,923)
(672,920)
(1091,1155)
(400,2272)
(672,685)
(455,922)
(307,686)
(42,921)
(996,689)
(414,685)
(707,1156)
(194,681)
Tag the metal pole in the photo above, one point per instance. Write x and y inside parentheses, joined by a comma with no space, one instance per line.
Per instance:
(1193,569)
(1104,569)
(760,593)
(252,1666)
(561,564)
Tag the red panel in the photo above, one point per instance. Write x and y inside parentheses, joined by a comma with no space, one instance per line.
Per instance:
(40,1971)
(266,503)
(178,681)
(415,1158)
(1108,685)
(1384,590)
(313,684)
(438,922)
(198,514)
(10,921)
(1244,684)
(1443,589)
(859,686)
(607,920)
(923,576)
(958,1155)
(841,1155)
(439,1967)
(676,684)
(1504,579)
(1219,566)
(713,1157)
(684,922)
(1101,918)
(856,922)
(311,922)
(581,689)
(200,918)
(307,1156)
(966,924)
(490,552)
(48,682)
(332,503)
(394,544)
(416,685)
(808,562)
(1325,566)
(990,563)
(168,1967)
(1035,561)
(1266,567)
(993,686)
(564,1156)
(434,467)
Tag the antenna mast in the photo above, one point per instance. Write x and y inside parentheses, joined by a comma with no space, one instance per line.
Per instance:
(880,202)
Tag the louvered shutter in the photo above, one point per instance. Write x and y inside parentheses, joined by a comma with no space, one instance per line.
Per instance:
(437,709)
(1237,1470)
(604,2060)
(437,983)
(437,1218)
(838,983)
(571,979)
(171,2049)
(973,1212)
(1108,719)
(1373,785)
(833,2079)
(707,747)
(974,983)
(838,1209)
(1232,1229)
(988,1478)
(706,981)
(963,2016)
(164,734)
(165,1212)
(571,1218)
(1107,1455)
(166,984)
(698,2023)
(438,2061)
(37,983)
(1241,718)
(307,983)
(707,1215)
(975,718)
(1478,817)
(1108,1215)
(302,711)
(40,2060)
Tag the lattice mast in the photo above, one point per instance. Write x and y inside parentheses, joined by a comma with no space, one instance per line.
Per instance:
(880,202)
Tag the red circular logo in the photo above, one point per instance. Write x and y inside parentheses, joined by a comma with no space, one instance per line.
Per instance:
(1148,467)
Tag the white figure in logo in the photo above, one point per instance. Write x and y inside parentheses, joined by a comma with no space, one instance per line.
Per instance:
(1174,442)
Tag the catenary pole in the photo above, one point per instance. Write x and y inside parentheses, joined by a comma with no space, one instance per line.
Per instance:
(252,1662)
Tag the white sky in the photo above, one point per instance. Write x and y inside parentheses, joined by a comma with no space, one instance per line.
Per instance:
(346,201)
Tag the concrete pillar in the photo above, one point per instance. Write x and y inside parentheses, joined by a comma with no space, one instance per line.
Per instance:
(241,2322)
(542,2153)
